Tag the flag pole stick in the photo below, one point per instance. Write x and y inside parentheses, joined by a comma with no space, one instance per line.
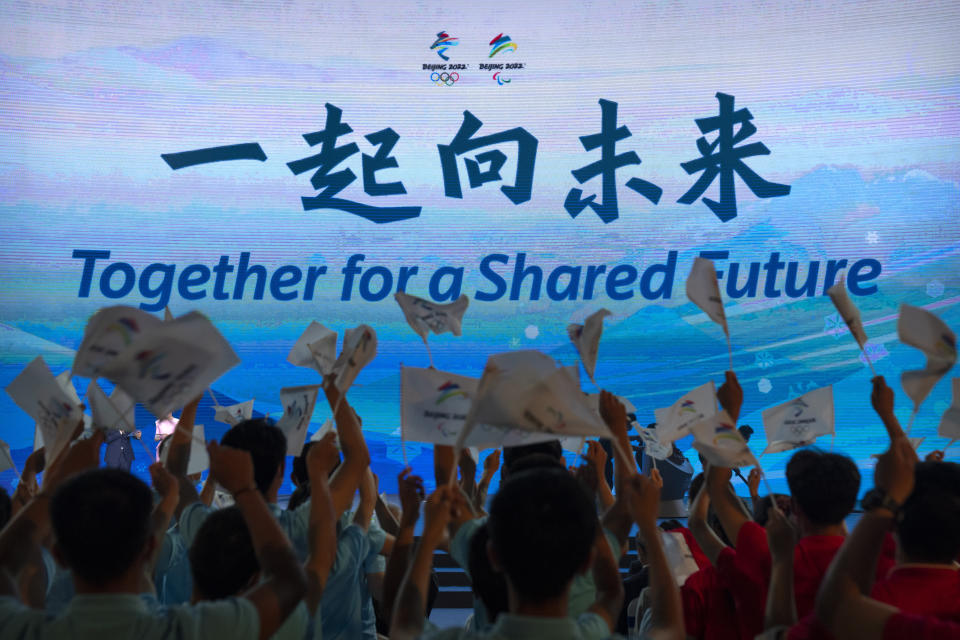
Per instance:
(944,450)
(429,354)
(766,483)
(216,403)
(912,416)
(873,372)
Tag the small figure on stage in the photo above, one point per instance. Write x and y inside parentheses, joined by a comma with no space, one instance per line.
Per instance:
(119,452)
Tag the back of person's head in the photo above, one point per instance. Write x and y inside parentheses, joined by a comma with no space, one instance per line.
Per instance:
(824,486)
(6,507)
(512,455)
(762,513)
(489,586)
(267,446)
(222,558)
(537,461)
(670,525)
(929,525)
(101,523)
(542,527)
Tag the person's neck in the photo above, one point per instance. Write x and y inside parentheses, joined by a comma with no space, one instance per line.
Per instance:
(126,584)
(549,608)
(825,530)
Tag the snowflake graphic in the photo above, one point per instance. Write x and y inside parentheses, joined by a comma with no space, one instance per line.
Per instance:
(875,351)
(514,343)
(801,388)
(764,360)
(764,385)
(935,288)
(873,237)
(833,325)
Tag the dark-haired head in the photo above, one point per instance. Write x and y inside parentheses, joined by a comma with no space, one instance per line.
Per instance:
(928,529)
(824,486)
(542,527)
(223,562)
(513,455)
(101,523)
(267,446)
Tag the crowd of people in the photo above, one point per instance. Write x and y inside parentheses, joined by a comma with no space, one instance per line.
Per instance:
(93,552)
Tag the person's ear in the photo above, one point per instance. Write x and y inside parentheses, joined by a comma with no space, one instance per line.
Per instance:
(492,557)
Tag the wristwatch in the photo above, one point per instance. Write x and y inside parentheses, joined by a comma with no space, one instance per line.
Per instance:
(877,498)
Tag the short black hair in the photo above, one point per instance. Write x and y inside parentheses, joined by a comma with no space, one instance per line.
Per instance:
(222,558)
(761,514)
(299,496)
(511,455)
(267,446)
(489,586)
(542,527)
(6,507)
(929,523)
(101,521)
(823,485)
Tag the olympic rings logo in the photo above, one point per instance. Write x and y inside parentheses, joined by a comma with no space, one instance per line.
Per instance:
(441,79)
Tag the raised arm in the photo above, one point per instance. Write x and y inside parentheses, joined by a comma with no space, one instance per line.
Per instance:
(178,456)
(322,532)
(410,490)
(606,576)
(598,458)
(283,582)
(356,457)
(665,596)
(166,486)
(726,505)
(781,608)
(703,533)
(368,498)
(491,464)
(410,609)
(20,540)
(843,604)
(614,414)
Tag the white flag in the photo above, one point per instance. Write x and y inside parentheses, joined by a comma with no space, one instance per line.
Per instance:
(434,404)
(651,444)
(800,421)
(424,316)
(527,391)
(674,422)
(916,442)
(37,392)
(359,350)
(919,328)
(679,556)
(950,422)
(199,458)
(234,414)
(115,412)
(848,311)
(316,348)
(720,443)
(6,459)
(109,332)
(172,363)
(703,290)
(586,338)
(298,403)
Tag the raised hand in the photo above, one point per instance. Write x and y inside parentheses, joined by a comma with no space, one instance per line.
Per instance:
(613,412)
(411,494)
(232,467)
(322,457)
(781,536)
(730,395)
(753,481)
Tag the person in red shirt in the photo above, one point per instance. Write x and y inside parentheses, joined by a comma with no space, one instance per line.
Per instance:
(843,605)
(823,487)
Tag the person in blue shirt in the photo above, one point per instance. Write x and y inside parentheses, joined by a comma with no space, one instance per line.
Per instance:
(103,522)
